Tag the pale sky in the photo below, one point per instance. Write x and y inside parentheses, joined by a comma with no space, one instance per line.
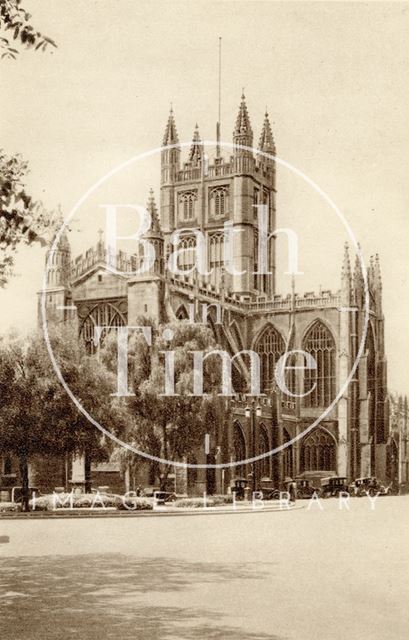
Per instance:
(335,80)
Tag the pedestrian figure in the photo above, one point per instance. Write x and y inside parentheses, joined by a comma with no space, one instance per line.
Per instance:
(292,490)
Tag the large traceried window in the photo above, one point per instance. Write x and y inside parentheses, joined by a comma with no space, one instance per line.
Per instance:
(318,452)
(270,348)
(103,314)
(219,202)
(320,344)
(187,205)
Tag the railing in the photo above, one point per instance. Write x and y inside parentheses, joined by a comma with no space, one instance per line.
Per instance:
(212,171)
(121,261)
(331,300)
(189,174)
(268,305)
(128,264)
(219,170)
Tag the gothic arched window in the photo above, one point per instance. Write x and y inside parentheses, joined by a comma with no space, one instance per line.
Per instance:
(181,313)
(216,250)
(270,348)
(318,452)
(104,314)
(219,202)
(320,344)
(187,205)
(186,252)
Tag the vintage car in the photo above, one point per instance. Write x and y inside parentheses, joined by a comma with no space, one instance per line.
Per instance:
(367,486)
(237,486)
(333,486)
(268,490)
(161,497)
(305,488)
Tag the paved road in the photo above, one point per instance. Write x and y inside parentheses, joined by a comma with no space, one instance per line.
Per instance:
(301,575)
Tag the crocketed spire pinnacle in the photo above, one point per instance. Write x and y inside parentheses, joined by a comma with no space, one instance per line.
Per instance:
(243,126)
(266,142)
(195,153)
(63,242)
(153,211)
(346,264)
(358,278)
(377,272)
(171,134)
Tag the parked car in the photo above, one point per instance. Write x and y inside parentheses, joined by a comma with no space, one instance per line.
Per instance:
(333,486)
(368,486)
(305,488)
(164,496)
(237,487)
(268,490)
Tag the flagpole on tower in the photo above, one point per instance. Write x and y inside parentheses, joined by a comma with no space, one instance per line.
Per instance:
(219,104)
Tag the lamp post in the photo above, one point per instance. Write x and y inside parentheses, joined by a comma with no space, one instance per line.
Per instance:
(251,412)
(354,462)
(277,430)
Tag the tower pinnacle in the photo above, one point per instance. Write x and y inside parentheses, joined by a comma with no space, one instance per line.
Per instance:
(243,137)
(153,212)
(243,126)
(266,142)
(195,153)
(346,277)
(346,264)
(171,134)
(170,157)
(377,272)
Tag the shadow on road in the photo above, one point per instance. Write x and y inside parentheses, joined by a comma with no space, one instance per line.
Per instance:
(97,597)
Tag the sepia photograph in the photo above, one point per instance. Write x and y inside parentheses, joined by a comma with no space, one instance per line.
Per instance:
(204,300)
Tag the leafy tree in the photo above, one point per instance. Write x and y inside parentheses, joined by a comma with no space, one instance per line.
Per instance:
(20,411)
(16,20)
(36,414)
(171,426)
(22,219)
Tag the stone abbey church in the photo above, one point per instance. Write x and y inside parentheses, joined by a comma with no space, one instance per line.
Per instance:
(352,439)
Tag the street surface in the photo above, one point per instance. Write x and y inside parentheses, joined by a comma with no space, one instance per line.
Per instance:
(299,575)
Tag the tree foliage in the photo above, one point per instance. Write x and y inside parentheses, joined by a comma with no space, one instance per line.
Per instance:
(23,220)
(14,19)
(36,414)
(170,426)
